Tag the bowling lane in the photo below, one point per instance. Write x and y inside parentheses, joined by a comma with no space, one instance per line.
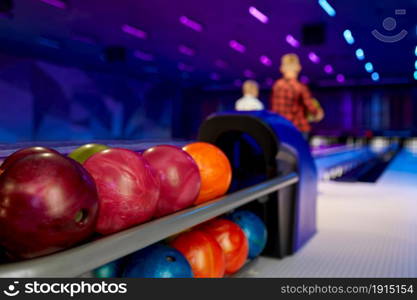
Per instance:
(346,157)
(326,150)
(364,230)
(402,171)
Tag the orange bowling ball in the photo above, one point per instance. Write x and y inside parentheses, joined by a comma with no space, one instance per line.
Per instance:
(202,252)
(215,170)
(231,239)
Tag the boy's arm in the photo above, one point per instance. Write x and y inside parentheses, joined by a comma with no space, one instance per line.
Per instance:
(310,105)
(308,101)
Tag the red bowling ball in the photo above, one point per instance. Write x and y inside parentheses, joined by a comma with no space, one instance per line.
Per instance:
(231,239)
(127,186)
(179,177)
(47,203)
(203,252)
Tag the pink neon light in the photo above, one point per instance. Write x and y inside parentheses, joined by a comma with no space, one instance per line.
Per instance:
(258,15)
(313,57)
(304,79)
(220,64)
(185,50)
(248,74)
(191,24)
(340,78)
(328,69)
(292,41)
(55,3)
(143,55)
(237,46)
(265,60)
(136,32)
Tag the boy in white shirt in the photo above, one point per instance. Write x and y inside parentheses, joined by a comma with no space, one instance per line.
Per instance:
(249,101)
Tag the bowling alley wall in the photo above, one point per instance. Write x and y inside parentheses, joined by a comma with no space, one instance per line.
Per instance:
(46,101)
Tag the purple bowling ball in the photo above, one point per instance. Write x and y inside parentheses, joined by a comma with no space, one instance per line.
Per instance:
(179,177)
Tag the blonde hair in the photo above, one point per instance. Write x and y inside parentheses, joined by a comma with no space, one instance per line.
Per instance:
(290,59)
(250,87)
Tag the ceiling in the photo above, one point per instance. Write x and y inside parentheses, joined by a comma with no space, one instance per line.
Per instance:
(77,34)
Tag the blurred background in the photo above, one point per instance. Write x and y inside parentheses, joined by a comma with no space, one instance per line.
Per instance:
(132,69)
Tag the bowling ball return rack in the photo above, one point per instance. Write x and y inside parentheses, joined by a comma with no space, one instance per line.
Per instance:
(282,191)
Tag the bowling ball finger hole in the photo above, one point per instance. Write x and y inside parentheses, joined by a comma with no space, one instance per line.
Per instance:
(170,258)
(81,216)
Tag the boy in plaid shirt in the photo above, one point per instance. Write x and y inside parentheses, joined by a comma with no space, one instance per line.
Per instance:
(292,99)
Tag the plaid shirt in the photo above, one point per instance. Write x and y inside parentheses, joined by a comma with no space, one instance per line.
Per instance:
(292,100)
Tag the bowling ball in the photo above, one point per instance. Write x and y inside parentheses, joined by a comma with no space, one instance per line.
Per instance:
(111,270)
(231,239)
(127,187)
(48,203)
(81,154)
(202,252)
(23,153)
(158,261)
(254,229)
(179,177)
(215,170)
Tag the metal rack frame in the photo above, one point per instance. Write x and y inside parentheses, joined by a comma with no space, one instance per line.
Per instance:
(80,259)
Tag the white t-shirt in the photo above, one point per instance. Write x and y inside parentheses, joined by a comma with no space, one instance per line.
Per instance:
(248,103)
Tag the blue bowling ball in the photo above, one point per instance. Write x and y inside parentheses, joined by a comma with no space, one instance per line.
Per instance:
(254,228)
(158,261)
(111,270)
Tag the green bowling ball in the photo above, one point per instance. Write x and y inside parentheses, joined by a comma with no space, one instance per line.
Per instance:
(81,154)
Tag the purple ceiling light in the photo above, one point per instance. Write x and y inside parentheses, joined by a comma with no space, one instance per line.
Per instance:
(143,55)
(258,15)
(304,79)
(237,46)
(292,41)
(220,64)
(248,73)
(313,57)
(340,78)
(265,60)
(136,32)
(328,69)
(56,3)
(191,24)
(186,50)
